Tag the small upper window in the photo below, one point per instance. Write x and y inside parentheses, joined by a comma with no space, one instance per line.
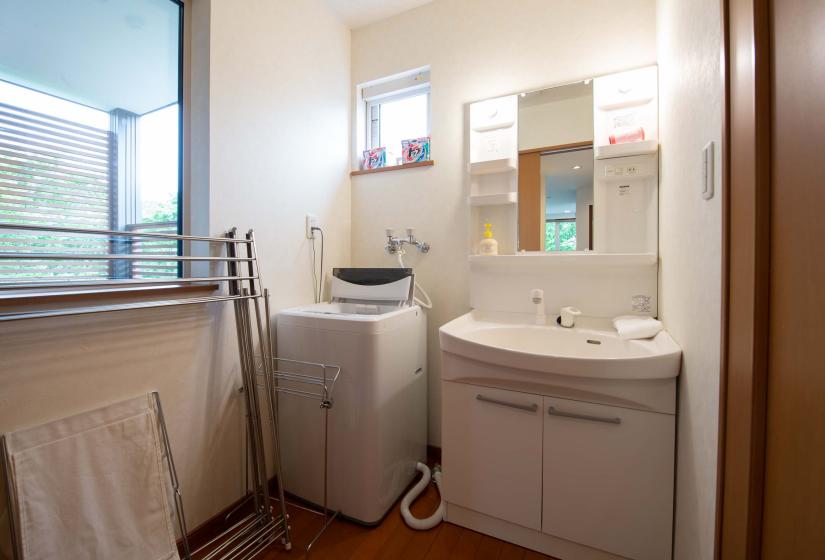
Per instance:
(397,110)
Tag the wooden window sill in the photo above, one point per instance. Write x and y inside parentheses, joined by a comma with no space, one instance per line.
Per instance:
(392,168)
(63,295)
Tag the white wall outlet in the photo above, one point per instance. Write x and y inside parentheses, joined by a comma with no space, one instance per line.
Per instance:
(708,172)
(311,222)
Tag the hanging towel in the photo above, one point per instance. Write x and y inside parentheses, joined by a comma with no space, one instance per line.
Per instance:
(92,486)
(634,326)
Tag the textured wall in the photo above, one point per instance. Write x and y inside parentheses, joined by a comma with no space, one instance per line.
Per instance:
(690,243)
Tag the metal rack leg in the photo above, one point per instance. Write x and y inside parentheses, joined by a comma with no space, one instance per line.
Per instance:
(273,413)
(15,548)
(173,475)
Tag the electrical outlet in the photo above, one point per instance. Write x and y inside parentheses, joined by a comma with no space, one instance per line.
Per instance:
(311,222)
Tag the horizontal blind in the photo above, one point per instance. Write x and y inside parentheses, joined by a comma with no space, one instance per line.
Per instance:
(53,172)
(149,246)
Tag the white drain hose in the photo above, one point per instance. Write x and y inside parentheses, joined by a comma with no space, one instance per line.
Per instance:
(434,519)
(425,303)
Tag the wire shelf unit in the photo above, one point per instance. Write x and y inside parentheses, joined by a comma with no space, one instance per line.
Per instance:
(233,265)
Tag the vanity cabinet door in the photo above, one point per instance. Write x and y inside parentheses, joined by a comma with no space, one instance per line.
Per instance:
(492,452)
(608,477)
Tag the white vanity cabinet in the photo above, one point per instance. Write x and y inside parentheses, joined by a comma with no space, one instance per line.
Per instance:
(608,477)
(492,452)
(571,478)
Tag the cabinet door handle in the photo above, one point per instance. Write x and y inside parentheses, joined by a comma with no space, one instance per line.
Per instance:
(528,407)
(553,411)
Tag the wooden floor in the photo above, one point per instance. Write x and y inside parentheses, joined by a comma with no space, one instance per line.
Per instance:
(394,540)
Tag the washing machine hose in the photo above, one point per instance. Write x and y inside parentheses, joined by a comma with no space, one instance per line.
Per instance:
(434,519)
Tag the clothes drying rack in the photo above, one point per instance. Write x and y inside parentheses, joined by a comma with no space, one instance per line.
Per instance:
(233,264)
(320,388)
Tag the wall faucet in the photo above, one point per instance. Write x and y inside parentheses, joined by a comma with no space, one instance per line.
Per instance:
(538,300)
(395,245)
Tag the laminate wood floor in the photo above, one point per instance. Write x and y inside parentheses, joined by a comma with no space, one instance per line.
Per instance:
(394,540)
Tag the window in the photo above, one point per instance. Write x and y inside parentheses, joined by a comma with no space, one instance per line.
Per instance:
(90,134)
(397,109)
(560,235)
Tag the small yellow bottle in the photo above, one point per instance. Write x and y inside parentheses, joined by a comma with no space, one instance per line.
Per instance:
(488,245)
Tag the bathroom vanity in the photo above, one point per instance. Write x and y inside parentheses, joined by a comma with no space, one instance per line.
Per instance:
(560,440)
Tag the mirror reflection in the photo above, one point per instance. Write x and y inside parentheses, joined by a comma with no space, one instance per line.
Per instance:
(567,182)
(555,129)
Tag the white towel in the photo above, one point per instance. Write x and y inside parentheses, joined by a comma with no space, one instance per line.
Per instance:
(93,486)
(634,326)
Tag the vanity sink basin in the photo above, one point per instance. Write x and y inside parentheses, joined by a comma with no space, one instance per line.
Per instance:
(590,349)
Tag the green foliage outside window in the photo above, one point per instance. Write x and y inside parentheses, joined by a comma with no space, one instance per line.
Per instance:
(560,235)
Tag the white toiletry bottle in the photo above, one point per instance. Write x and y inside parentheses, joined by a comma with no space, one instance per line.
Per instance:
(488,245)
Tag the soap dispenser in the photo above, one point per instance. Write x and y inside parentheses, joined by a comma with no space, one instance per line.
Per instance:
(488,245)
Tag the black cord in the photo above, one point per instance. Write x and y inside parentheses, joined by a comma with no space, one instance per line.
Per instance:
(320,278)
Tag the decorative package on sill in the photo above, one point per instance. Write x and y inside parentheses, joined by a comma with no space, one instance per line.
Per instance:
(415,150)
(375,158)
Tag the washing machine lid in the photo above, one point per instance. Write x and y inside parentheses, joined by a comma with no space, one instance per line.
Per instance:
(363,318)
(373,286)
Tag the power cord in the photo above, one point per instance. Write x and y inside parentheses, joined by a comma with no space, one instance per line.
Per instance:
(317,279)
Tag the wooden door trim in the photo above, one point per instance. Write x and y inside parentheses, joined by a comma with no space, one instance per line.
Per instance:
(559,147)
(746,278)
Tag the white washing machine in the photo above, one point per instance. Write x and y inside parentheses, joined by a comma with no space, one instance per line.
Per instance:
(374,331)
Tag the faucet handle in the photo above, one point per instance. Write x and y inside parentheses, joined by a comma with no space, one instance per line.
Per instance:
(411,232)
(568,316)
(537,295)
(390,232)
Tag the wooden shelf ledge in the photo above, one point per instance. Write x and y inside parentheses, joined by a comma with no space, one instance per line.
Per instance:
(392,168)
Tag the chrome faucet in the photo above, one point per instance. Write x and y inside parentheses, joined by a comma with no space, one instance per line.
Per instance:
(395,245)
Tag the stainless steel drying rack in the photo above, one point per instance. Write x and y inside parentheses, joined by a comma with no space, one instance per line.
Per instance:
(323,384)
(240,282)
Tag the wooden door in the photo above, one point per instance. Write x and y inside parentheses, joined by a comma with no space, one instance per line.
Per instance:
(530,207)
(772,494)
(794,497)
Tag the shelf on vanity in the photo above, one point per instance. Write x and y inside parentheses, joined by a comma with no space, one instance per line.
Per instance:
(572,258)
(497,199)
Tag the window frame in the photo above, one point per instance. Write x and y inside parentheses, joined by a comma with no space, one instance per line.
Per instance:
(183,41)
(556,222)
(397,96)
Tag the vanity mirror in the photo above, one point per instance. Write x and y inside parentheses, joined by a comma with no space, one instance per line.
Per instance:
(569,169)
(555,168)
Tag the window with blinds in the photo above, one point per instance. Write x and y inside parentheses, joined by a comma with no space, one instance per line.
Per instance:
(54,172)
(90,143)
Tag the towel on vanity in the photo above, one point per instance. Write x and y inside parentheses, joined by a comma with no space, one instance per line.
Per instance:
(632,327)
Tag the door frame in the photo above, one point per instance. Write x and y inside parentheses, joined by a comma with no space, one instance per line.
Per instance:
(746,66)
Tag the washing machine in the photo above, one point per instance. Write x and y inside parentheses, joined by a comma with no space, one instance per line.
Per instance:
(377,426)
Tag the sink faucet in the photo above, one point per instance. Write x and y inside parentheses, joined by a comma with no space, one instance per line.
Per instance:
(538,299)
(567,316)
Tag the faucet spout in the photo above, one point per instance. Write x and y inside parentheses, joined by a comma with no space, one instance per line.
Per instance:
(537,296)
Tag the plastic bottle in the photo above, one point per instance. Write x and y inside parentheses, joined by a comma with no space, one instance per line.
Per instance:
(488,245)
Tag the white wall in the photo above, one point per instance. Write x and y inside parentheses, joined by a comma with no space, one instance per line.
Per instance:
(477,49)
(556,122)
(690,240)
(279,98)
